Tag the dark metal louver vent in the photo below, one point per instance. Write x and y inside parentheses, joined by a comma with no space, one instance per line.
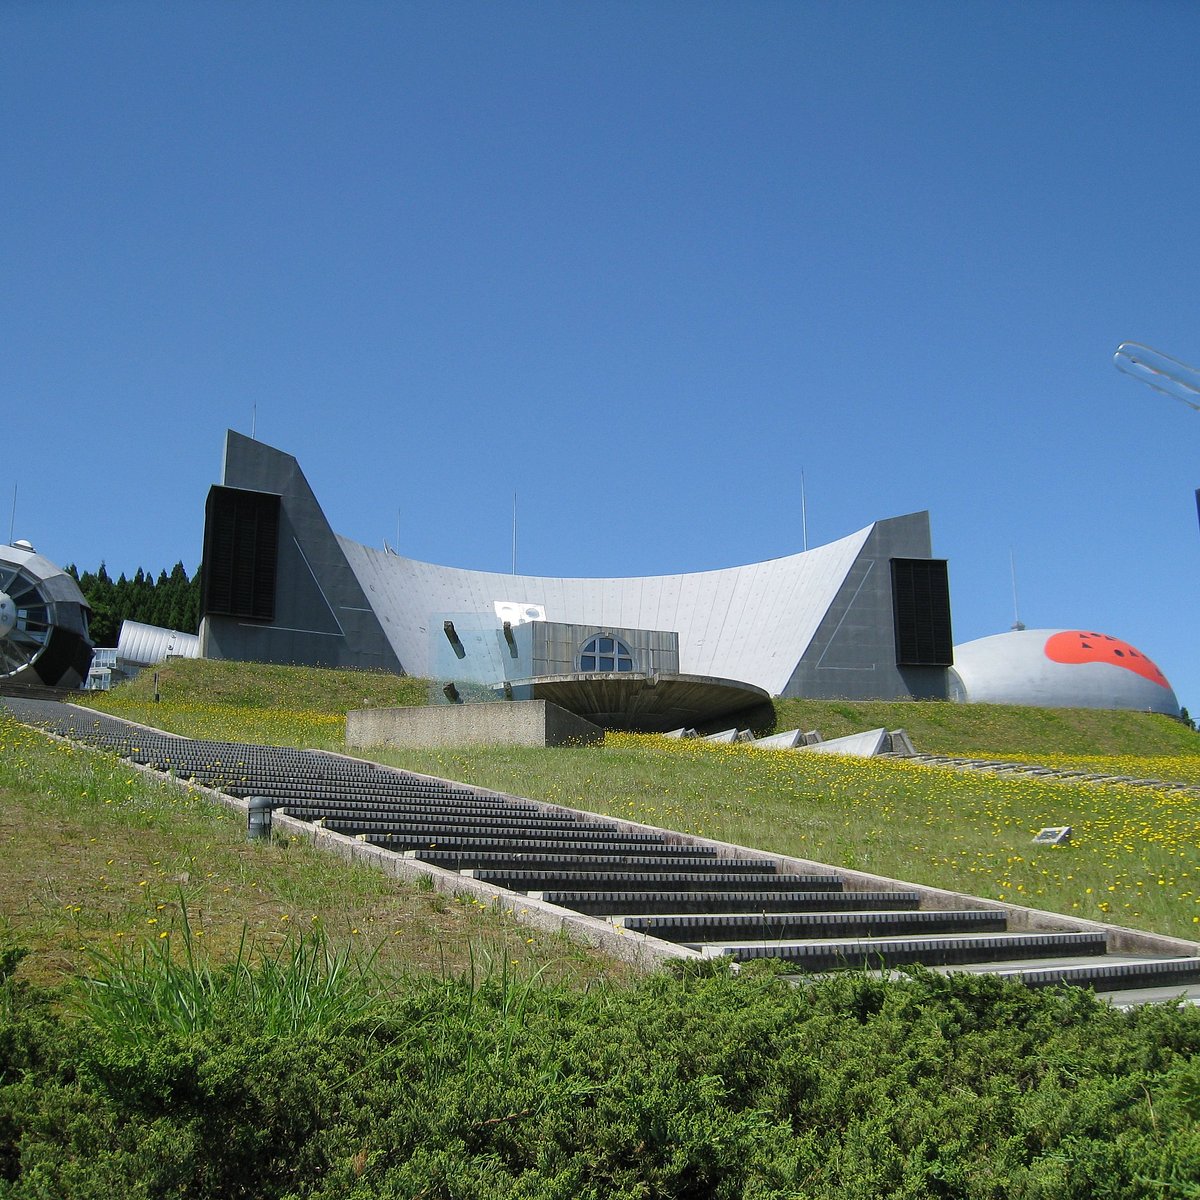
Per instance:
(921,607)
(241,550)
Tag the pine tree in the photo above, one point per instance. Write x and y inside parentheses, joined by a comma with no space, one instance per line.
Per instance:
(171,601)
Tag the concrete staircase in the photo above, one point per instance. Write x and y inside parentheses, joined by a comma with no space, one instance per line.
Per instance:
(680,896)
(1034,771)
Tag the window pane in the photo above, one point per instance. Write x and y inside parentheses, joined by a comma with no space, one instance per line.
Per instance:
(606,664)
(606,645)
(587,662)
(624,664)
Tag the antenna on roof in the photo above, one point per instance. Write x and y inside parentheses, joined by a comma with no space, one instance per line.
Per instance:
(514,533)
(803,510)
(13,523)
(1017,624)
(253,421)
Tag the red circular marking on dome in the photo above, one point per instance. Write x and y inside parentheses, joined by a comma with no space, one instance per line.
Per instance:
(1077,646)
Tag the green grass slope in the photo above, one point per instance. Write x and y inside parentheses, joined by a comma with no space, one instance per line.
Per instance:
(265,685)
(1132,860)
(935,727)
(458,1054)
(940,727)
(97,857)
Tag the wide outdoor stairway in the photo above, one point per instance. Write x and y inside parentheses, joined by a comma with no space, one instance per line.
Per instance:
(691,896)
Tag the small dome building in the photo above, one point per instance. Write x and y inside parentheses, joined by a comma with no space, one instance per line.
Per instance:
(43,622)
(1059,668)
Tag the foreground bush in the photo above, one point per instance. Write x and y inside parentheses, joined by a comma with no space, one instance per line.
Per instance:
(689,1086)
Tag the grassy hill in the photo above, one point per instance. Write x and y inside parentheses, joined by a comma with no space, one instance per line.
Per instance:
(265,685)
(465,1055)
(1132,858)
(203,686)
(940,727)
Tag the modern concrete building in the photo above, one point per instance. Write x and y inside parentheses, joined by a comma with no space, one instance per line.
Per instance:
(867,616)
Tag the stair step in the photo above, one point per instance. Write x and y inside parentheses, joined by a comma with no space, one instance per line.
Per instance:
(1110,973)
(313,810)
(887,952)
(683,881)
(1133,997)
(601,903)
(516,843)
(415,835)
(532,857)
(698,928)
(449,821)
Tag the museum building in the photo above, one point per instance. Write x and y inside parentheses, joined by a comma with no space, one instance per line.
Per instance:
(864,617)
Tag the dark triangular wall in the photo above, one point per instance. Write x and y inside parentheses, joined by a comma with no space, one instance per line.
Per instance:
(322,616)
(853,654)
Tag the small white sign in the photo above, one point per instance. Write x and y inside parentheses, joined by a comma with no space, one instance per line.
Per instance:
(516,613)
(1053,835)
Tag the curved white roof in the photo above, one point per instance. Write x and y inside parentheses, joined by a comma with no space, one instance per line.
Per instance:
(1061,668)
(751,623)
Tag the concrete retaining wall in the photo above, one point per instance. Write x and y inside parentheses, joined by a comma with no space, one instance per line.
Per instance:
(507,723)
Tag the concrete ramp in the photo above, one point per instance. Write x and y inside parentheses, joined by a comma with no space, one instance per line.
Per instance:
(858,745)
(782,741)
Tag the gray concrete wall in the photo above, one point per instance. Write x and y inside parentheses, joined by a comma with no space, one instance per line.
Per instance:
(322,615)
(515,723)
(853,653)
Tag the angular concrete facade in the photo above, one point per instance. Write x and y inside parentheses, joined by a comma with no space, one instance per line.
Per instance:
(825,622)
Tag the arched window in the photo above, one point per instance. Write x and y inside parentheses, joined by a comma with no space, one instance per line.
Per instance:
(603,653)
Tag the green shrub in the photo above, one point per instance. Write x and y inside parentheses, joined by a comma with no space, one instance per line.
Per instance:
(697,1085)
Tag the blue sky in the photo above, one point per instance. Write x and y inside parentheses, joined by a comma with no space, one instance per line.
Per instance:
(647,265)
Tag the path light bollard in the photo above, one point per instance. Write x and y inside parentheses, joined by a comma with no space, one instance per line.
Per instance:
(258,819)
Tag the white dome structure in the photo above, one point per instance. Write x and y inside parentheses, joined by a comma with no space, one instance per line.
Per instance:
(1059,668)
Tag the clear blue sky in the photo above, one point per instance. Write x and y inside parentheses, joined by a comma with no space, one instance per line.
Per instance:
(642,263)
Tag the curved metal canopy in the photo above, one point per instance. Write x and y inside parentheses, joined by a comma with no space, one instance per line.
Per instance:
(647,703)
